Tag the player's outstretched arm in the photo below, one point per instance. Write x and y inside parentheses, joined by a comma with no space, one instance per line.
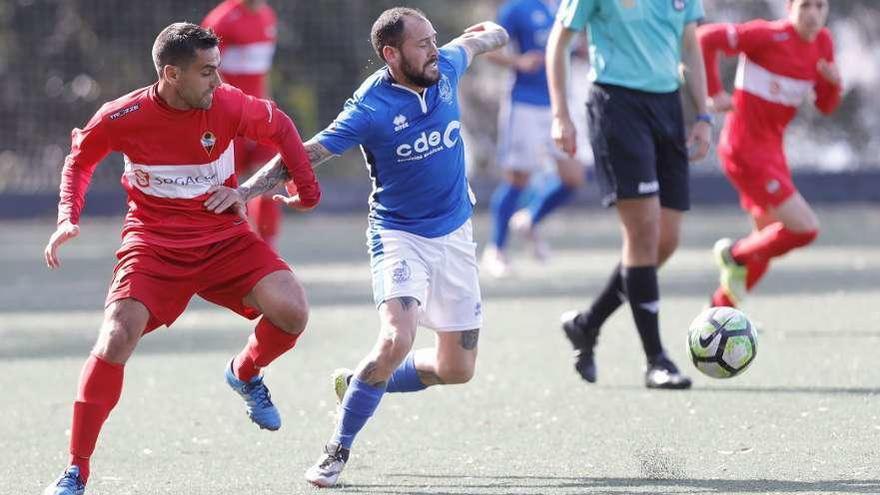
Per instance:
(317,154)
(481,38)
(267,178)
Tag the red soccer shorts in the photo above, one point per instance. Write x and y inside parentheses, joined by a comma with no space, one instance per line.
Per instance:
(763,182)
(165,279)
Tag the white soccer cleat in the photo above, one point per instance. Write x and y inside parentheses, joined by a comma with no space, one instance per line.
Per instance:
(495,262)
(329,466)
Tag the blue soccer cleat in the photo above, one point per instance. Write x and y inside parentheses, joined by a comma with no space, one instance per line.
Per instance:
(68,484)
(260,408)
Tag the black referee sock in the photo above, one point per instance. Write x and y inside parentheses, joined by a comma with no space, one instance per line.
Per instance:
(644,301)
(611,298)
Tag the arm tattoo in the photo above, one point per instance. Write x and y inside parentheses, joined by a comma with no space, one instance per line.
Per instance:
(317,153)
(468,339)
(275,172)
(265,179)
(408,302)
(482,41)
(366,375)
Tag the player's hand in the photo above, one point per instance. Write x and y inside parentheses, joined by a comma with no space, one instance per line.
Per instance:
(698,141)
(721,102)
(530,62)
(482,26)
(222,198)
(63,233)
(564,135)
(293,199)
(829,72)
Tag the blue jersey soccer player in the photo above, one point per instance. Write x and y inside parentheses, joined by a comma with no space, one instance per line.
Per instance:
(405,117)
(524,142)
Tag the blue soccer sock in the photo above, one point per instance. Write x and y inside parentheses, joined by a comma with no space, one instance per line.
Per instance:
(552,196)
(360,402)
(503,205)
(406,378)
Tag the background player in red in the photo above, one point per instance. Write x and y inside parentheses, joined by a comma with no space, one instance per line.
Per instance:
(247,31)
(180,236)
(781,62)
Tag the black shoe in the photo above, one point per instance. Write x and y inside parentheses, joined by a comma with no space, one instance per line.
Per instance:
(662,373)
(583,340)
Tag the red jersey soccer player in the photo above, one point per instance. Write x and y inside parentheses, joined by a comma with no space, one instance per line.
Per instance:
(780,63)
(181,236)
(247,43)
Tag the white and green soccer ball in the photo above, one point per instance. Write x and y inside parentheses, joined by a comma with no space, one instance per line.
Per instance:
(722,342)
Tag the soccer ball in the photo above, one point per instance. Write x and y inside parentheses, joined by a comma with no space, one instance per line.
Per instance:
(722,342)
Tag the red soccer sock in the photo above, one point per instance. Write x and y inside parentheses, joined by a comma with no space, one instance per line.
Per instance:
(719,298)
(266,215)
(264,346)
(100,385)
(754,272)
(771,241)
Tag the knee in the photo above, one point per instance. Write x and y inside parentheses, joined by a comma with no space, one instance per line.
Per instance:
(808,236)
(572,178)
(389,352)
(808,230)
(518,179)
(292,316)
(394,346)
(667,248)
(120,333)
(642,242)
(573,182)
(452,374)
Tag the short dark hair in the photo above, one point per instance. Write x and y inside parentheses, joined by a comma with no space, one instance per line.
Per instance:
(388,28)
(177,44)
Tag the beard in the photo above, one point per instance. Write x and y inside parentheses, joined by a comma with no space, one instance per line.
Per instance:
(420,77)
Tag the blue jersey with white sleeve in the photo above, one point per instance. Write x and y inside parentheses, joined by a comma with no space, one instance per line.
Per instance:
(528,22)
(413,149)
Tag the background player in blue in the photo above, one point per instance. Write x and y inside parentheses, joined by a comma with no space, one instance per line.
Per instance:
(406,119)
(639,143)
(524,143)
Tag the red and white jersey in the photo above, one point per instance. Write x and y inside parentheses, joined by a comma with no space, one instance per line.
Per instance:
(776,73)
(172,160)
(247,44)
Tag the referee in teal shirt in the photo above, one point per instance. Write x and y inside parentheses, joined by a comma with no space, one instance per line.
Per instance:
(641,149)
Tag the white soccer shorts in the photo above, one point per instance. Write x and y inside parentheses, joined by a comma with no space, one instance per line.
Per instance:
(441,273)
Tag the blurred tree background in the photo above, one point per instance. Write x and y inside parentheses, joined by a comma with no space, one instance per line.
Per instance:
(60,59)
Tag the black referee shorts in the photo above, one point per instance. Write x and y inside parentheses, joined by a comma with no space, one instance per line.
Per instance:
(638,141)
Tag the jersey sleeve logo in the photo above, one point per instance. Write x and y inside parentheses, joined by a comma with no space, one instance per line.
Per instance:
(678,5)
(445,89)
(208,141)
(125,111)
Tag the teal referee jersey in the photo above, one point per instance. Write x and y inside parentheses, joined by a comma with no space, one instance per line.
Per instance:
(633,43)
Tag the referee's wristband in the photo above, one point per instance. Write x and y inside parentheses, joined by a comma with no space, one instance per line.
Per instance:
(705,117)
